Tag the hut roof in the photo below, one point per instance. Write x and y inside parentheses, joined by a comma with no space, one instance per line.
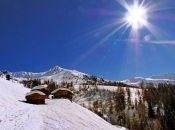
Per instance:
(39,87)
(32,92)
(54,91)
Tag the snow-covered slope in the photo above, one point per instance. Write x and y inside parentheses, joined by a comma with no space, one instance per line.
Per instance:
(58,74)
(166,78)
(57,114)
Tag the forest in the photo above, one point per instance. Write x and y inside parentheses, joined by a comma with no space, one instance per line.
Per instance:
(153,108)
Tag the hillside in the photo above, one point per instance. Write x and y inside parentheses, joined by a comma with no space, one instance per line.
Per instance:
(57,114)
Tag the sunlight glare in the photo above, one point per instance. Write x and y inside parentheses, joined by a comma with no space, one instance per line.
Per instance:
(136,16)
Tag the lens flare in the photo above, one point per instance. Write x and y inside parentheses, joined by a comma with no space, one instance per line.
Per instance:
(138,13)
(136,16)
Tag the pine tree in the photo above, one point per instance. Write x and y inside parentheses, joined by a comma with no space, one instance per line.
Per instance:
(156,125)
(127,118)
(119,100)
(150,111)
(8,77)
(128,91)
(142,85)
(142,114)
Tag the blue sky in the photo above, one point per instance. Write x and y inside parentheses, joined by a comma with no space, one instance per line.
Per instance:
(38,35)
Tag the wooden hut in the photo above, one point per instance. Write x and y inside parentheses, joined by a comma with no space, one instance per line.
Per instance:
(43,88)
(62,93)
(35,97)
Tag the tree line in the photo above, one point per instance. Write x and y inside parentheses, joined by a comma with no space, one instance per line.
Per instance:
(153,109)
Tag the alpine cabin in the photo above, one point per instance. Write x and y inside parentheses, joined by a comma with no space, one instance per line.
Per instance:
(43,88)
(35,97)
(62,93)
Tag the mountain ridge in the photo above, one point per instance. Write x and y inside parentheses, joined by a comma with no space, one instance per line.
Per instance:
(59,74)
(155,79)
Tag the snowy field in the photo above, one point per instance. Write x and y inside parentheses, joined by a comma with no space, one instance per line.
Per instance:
(57,114)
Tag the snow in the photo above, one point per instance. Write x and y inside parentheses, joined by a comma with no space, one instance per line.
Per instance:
(32,92)
(57,73)
(57,114)
(39,87)
(170,76)
(85,99)
(167,78)
(54,91)
(110,88)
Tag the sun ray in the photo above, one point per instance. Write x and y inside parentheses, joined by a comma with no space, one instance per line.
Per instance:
(104,28)
(100,42)
(161,6)
(157,32)
(113,23)
(138,15)
(129,24)
(124,4)
(136,18)
(109,35)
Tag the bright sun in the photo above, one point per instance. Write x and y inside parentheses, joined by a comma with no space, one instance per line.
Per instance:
(136,16)
(136,19)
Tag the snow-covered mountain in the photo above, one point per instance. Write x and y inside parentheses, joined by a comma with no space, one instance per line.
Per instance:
(169,76)
(166,78)
(58,74)
(56,114)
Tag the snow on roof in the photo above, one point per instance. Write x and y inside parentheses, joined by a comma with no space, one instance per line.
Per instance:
(32,92)
(54,91)
(39,87)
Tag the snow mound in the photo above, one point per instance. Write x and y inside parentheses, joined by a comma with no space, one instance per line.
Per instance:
(57,114)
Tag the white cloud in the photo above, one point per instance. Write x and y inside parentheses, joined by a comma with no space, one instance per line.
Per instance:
(147,40)
(163,42)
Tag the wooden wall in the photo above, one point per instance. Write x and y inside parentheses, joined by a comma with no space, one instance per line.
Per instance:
(63,94)
(35,96)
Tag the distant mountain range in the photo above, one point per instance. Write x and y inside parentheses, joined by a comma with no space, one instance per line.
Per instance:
(166,78)
(59,74)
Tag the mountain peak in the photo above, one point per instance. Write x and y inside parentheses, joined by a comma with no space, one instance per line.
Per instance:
(56,73)
(57,67)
